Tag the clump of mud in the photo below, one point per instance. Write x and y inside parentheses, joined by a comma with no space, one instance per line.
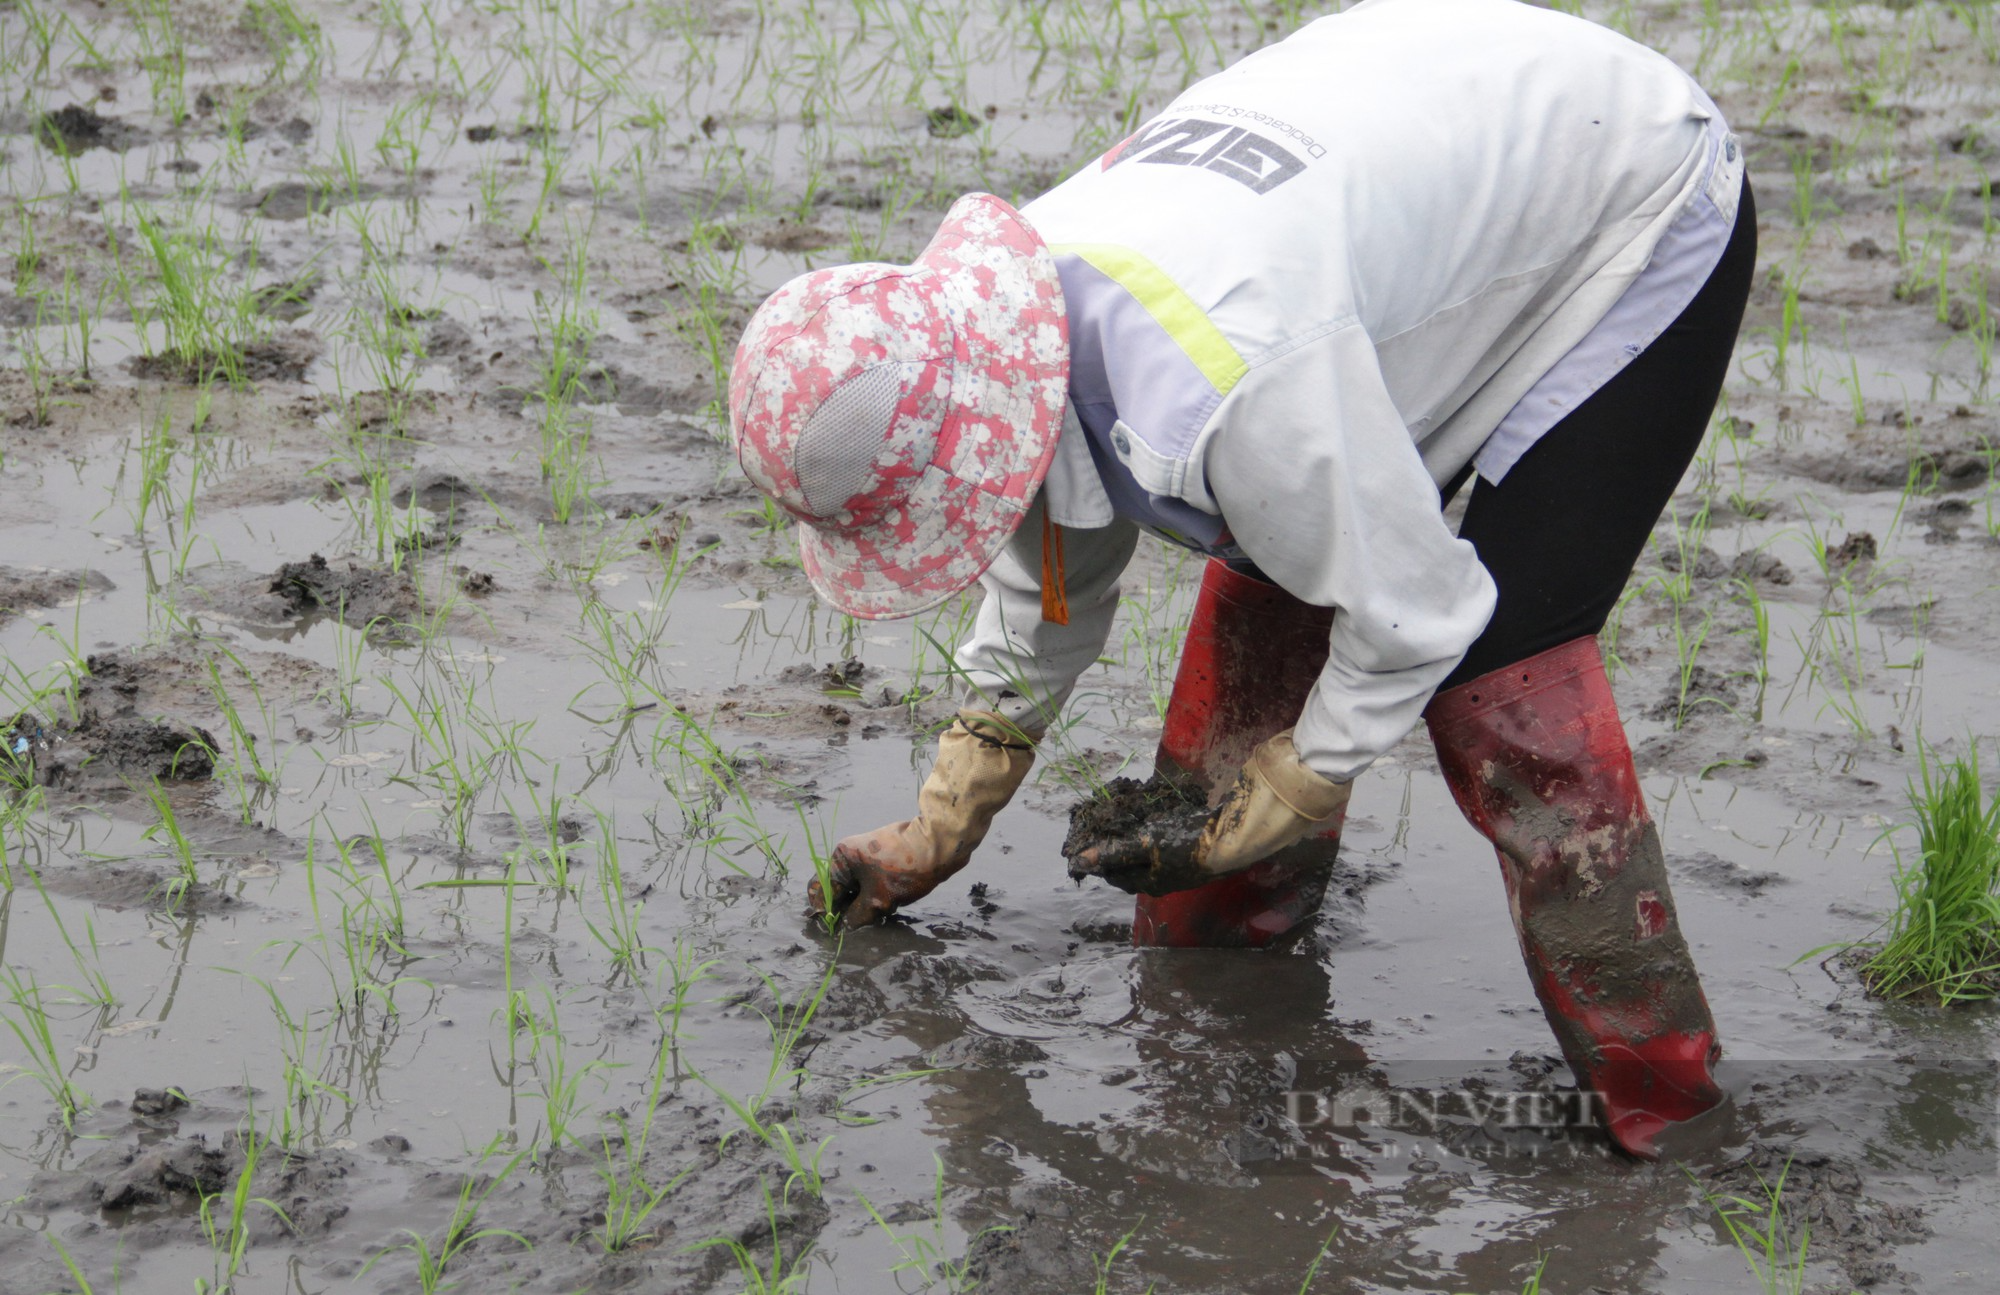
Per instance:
(1706,692)
(1139,836)
(107,741)
(359,595)
(154,1184)
(1126,807)
(1037,1250)
(284,358)
(23,590)
(74,129)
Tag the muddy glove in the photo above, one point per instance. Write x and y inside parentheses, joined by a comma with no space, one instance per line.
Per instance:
(1276,802)
(980,763)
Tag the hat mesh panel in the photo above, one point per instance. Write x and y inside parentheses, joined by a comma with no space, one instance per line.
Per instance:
(839,444)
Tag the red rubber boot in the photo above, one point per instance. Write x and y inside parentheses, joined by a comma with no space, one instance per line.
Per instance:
(1538,761)
(1252,655)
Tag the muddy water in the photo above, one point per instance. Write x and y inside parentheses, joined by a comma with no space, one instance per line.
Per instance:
(492,905)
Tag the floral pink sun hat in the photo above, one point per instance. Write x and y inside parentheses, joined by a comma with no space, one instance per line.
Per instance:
(907,414)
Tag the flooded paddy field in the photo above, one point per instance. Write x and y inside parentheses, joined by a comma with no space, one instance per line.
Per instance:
(419,737)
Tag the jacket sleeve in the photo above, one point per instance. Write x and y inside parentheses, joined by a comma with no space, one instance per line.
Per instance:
(1314,469)
(1020,665)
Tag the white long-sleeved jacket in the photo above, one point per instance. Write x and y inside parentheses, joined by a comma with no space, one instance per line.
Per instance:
(1302,298)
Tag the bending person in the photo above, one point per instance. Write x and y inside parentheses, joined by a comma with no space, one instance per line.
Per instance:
(1416,242)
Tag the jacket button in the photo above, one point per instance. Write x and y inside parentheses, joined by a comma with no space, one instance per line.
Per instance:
(1729,149)
(1121,442)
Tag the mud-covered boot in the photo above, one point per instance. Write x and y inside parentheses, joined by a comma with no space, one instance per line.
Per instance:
(1252,655)
(1539,762)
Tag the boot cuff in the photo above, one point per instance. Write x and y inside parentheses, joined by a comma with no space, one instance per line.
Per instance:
(1510,684)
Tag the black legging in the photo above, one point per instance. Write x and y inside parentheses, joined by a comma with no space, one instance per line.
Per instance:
(1562,532)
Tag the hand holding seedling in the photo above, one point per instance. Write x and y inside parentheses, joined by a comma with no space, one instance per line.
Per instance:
(981,761)
(872,874)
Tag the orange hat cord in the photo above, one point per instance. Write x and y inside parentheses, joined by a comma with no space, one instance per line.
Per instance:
(1055,596)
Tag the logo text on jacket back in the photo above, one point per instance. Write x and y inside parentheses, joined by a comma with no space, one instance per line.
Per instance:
(1250,159)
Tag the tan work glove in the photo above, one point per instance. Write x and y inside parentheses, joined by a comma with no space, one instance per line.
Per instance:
(981,762)
(1275,802)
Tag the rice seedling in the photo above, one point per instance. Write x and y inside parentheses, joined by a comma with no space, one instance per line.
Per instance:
(561,1084)
(630,1195)
(371,956)
(228,1234)
(95,989)
(1763,1233)
(782,1274)
(254,781)
(1687,651)
(926,1256)
(1758,631)
(26,1017)
(1944,935)
(433,1259)
(303,1050)
(618,930)
(566,327)
(163,55)
(787,1025)
(285,30)
(1155,625)
(683,972)
(167,827)
(208,322)
(1104,1263)
(34,367)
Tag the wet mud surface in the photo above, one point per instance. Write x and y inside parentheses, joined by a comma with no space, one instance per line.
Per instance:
(420,736)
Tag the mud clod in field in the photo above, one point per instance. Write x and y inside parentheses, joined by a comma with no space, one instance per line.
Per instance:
(111,739)
(74,129)
(283,358)
(359,595)
(101,753)
(1036,1251)
(1706,692)
(23,590)
(1941,463)
(134,1176)
(985,1051)
(153,1102)
(1856,548)
(1718,872)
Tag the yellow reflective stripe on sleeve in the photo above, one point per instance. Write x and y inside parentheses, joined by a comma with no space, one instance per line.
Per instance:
(1171,308)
